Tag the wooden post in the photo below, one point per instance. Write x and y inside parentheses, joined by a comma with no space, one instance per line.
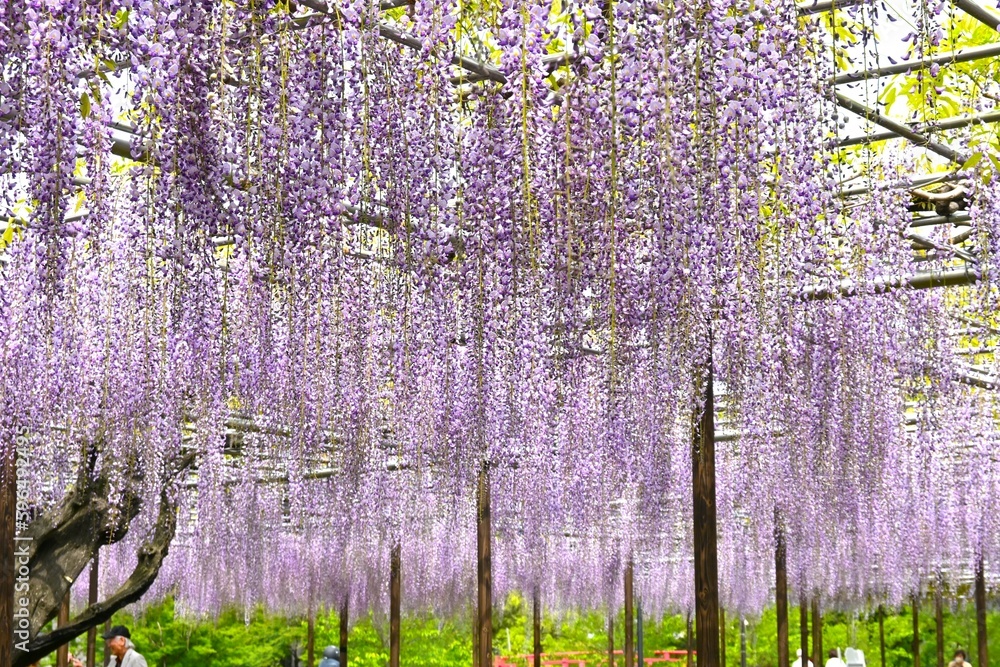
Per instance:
(484,570)
(629,620)
(611,638)
(781,590)
(8,547)
(817,631)
(881,633)
(722,636)
(311,640)
(394,586)
(939,623)
(92,600)
(981,613)
(343,632)
(536,623)
(804,627)
(62,620)
(474,613)
(706,560)
(916,630)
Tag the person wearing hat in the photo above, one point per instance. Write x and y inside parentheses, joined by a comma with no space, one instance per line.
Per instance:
(122,649)
(331,657)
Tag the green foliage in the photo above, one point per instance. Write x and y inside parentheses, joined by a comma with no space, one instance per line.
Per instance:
(263,640)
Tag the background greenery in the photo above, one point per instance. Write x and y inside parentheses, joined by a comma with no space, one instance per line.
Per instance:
(264,640)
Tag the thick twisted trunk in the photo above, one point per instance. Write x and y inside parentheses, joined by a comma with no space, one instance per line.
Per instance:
(64,540)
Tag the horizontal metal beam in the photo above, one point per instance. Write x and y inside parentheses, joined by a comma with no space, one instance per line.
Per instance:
(884,284)
(953,123)
(820,6)
(902,130)
(978,12)
(960,56)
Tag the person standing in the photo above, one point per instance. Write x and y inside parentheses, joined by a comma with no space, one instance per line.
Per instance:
(835,660)
(123,652)
(798,659)
(959,660)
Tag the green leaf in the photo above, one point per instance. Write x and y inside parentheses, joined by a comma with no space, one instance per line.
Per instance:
(973,160)
(85,105)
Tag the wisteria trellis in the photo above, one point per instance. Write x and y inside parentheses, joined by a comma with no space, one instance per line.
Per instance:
(347,272)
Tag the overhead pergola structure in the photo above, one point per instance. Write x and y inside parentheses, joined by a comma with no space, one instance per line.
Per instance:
(958,252)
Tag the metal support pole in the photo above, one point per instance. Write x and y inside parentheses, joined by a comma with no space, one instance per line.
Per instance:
(881,634)
(394,586)
(536,624)
(981,613)
(629,619)
(311,640)
(611,638)
(639,634)
(690,642)
(939,624)
(343,631)
(743,642)
(95,566)
(781,590)
(804,627)
(817,633)
(706,559)
(62,620)
(484,571)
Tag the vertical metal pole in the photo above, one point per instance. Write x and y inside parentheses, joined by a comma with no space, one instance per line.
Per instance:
(485,575)
(394,586)
(62,620)
(639,635)
(781,590)
(804,626)
(536,624)
(8,545)
(981,613)
(629,619)
(690,642)
(939,623)
(343,631)
(611,638)
(916,630)
(107,651)
(706,559)
(311,640)
(722,636)
(817,630)
(881,633)
(743,642)
(92,600)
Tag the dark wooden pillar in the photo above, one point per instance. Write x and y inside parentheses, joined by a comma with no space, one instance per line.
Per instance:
(536,624)
(817,632)
(915,648)
(611,638)
(95,566)
(394,586)
(706,566)
(311,640)
(881,634)
(804,627)
(484,571)
(343,631)
(722,636)
(939,624)
(781,590)
(62,620)
(629,618)
(981,613)
(8,546)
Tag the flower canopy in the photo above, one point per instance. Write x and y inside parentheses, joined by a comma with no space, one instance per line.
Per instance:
(350,254)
